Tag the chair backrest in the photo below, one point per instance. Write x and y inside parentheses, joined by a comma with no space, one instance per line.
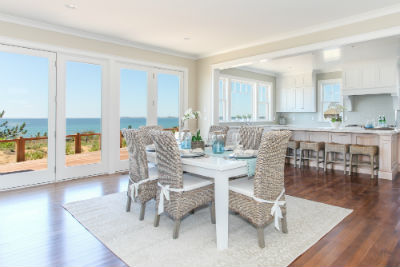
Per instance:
(250,136)
(269,175)
(218,128)
(169,163)
(146,133)
(138,168)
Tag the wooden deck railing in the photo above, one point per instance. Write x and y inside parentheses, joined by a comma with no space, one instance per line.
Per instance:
(20,142)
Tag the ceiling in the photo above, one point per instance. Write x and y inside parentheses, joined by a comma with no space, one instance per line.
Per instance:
(212,26)
(330,59)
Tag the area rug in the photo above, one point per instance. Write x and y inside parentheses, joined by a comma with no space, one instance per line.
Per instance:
(140,244)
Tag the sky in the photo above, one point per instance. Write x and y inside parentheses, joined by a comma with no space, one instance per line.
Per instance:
(24,89)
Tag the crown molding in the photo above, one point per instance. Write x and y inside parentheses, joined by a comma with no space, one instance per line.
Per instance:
(259,71)
(90,35)
(321,27)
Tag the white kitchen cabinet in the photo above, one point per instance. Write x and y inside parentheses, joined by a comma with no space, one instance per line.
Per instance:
(371,78)
(296,93)
(299,98)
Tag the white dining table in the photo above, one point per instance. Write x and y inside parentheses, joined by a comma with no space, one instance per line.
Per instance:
(220,170)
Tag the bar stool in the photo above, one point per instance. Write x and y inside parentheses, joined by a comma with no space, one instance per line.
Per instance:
(292,149)
(362,150)
(333,149)
(311,147)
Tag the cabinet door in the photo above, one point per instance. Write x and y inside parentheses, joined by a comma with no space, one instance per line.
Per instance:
(340,138)
(318,136)
(352,79)
(299,99)
(299,136)
(370,76)
(309,98)
(290,100)
(387,76)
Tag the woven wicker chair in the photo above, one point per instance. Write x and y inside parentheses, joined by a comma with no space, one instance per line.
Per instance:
(178,193)
(146,130)
(142,180)
(250,137)
(262,199)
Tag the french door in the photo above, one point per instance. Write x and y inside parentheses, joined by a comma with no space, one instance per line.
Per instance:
(147,96)
(27,127)
(63,120)
(82,117)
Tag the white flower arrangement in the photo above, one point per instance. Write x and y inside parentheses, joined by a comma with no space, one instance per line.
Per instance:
(189,114)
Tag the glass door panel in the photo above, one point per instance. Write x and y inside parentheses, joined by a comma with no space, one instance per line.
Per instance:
(133,102)
(27,121)
(168,99)
(83,113)
(81,117)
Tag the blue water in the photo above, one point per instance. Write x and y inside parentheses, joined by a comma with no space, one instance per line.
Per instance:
(34,126)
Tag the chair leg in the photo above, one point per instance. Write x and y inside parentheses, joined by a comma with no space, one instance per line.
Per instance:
(295,157)
(156,219)
(128,204)
(351,164)
(344,162)
(260,234)
(326,159)
(317,156)
(142,210)
(371,157)
(284,224)
(301,159)
(212,210)
(175,235)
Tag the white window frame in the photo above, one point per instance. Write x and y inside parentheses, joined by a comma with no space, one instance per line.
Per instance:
(321,83)
(228,79)
(268,102)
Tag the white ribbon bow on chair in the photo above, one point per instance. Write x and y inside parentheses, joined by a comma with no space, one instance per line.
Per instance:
(276,210)
(164,192)
(134,187)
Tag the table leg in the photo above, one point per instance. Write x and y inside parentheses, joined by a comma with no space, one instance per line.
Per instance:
(222,210)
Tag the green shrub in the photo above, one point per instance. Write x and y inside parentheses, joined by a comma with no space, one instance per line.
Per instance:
(37,154)
(69,148)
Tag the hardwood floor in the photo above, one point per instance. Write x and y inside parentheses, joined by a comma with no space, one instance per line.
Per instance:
(36,231)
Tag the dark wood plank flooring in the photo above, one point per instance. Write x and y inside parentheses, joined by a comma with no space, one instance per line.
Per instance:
(35,230)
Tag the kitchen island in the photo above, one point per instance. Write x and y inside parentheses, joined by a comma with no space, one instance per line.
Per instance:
(387,141)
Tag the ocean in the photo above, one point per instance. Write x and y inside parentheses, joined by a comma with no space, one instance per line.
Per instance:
(75,125)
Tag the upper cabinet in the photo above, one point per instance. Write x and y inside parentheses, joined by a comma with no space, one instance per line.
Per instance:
(378,77)
(296,93)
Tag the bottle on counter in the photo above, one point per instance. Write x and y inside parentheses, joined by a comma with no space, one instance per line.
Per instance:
(384,121)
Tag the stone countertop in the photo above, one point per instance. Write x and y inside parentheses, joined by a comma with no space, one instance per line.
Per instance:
(329,129)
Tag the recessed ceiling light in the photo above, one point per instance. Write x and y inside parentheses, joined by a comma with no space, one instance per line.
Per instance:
(71,6)
(263,60)
(186,38)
